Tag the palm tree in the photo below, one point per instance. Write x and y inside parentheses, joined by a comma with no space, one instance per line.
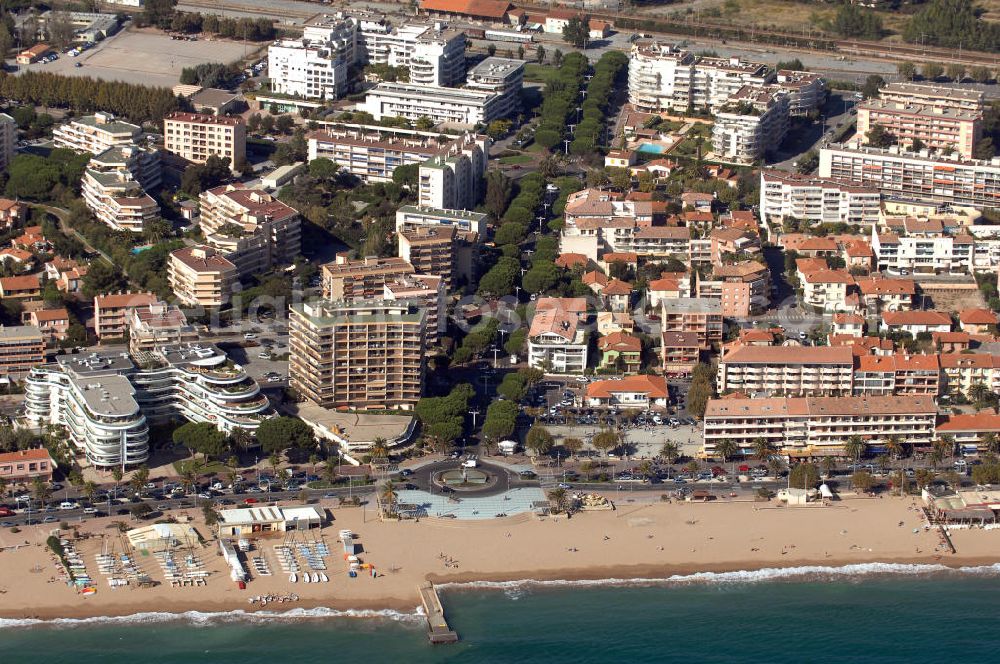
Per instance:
(380,448)
(558,496)
(894,447)
(117,474)
(671,452)
(979,394)
(762,449)
(726,449)
(329,471)
(948,445)
(89,491)
(389,497)
(188,478)
(274,461)
(828,463)
(42,490)
(3,487)
(775,465)
(991,443)
(941,448)
(854,449)
(606,440)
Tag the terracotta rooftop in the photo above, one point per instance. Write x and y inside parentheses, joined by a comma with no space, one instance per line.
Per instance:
(119,300)
(916,318)
(977,317)
(653,386)
(789,355)
(620,341)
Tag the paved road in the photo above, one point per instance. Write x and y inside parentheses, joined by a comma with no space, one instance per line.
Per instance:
(62,214)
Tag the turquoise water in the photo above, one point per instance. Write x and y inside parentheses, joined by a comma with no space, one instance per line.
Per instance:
(869,618)
(139,250)
(651,147)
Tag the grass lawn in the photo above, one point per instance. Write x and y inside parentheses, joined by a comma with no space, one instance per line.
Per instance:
(516,159)
(200,466)
(538,73)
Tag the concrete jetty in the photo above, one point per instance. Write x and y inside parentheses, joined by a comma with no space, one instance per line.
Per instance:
(438,630)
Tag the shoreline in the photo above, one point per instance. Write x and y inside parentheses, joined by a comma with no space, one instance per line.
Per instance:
(401,609)
(638,544)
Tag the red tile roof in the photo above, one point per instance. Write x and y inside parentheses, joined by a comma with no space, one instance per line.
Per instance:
(977,317)
(916,318)
(653,386)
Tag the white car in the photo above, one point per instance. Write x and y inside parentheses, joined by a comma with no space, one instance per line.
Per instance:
(249,336)
(264,356)
(90,510)
(68,505)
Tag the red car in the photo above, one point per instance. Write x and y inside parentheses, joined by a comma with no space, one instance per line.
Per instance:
(6,511)
(250,501)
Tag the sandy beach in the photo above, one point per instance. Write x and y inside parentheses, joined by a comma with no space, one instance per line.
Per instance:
(638,540)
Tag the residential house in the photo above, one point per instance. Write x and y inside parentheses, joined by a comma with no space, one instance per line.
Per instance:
(620,351)
(915,322)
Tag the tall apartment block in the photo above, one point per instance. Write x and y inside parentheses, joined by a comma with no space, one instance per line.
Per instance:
(500,76)
(372,153)
(201,276)
(664,77)
(8,139)
(366,355)
(345,279)
(753,121)
(21,348)
(938,128)
(196,137)
(115,183)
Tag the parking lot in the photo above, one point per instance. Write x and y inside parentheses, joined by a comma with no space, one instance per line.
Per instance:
(142,56)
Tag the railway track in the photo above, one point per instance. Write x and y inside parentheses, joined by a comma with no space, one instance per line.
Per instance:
(798,41)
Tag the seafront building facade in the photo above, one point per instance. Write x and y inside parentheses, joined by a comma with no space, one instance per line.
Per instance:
(21,348)
(201,276)
(941,129)
(818,426)
(107,402)
(114,187)
(363,355)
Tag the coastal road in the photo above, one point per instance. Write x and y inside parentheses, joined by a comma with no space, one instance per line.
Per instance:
(105,508)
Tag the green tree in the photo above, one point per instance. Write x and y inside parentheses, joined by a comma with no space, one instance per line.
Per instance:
(671,452)
(931,71)
(726,449)
(606,440)
(500,421)
(538,440)
(803,476)
(855,448)
(201,437)
(389,498)
(873,86)
(906,70)
(862,480)
(558,498)
(280,433)
(576,31)
(878,136)
(540,54)
(854,21)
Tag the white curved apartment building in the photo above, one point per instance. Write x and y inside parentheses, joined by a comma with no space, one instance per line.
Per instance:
(100,413)
(107,402)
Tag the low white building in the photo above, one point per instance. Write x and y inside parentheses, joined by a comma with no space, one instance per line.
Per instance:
(257,521)
(452,105)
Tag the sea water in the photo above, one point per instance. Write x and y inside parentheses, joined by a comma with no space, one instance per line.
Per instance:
(856,614)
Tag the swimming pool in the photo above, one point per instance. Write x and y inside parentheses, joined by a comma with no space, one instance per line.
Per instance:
(651,147)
